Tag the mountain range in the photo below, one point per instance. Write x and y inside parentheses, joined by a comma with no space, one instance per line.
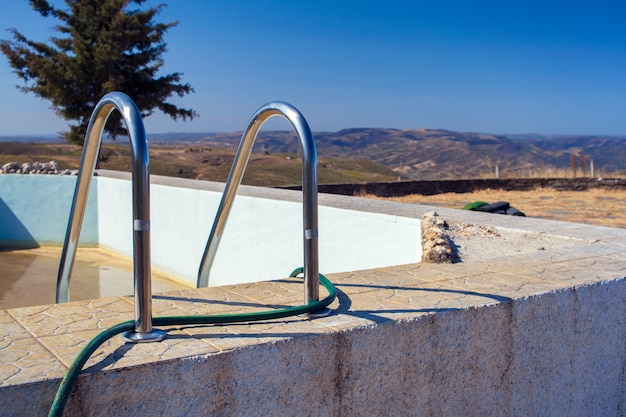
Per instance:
(430,154)
(427,154)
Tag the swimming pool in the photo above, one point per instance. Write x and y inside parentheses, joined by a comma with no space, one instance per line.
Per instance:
(262,241)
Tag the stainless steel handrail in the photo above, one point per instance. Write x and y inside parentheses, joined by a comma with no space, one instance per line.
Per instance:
(309,194)
(141,210)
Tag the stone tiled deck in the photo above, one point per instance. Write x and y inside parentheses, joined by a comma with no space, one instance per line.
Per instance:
(37,344)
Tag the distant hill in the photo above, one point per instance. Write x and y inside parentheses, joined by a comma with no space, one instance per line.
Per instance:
(609,153)
(441,154)
(32,139)
(427,154)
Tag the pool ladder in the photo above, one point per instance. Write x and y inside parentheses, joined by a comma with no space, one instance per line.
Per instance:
(143,330)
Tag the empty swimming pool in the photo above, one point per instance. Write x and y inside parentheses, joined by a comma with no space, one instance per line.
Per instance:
(263,241)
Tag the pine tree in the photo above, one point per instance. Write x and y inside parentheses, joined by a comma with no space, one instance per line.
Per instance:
(102,46)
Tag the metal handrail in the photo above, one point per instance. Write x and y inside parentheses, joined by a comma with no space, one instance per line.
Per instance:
(141,209)
(309,194)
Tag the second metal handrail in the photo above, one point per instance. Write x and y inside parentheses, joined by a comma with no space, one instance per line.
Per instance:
(309,194)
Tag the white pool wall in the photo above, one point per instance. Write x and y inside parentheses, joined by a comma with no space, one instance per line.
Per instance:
(263,238)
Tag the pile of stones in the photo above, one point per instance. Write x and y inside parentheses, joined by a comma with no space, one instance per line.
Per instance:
(437,245)
(45,168)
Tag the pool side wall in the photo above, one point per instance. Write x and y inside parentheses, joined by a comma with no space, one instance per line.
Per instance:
(554,354)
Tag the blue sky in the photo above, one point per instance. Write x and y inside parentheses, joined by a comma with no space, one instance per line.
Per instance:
(553,67)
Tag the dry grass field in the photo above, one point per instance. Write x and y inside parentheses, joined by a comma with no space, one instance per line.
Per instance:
(203,163)
(597,206)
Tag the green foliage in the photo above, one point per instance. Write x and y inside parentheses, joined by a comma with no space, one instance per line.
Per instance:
(102,46)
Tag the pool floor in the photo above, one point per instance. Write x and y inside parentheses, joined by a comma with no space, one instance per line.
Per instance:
(28,276)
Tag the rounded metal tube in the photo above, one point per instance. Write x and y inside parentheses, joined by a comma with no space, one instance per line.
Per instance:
(309,193)
(141,204)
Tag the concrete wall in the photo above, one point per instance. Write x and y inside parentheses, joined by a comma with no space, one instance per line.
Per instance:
(556,354)
(400,188)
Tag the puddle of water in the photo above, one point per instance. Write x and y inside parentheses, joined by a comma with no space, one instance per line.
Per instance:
(29,276)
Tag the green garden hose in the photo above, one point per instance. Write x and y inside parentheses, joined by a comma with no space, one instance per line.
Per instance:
(63,393)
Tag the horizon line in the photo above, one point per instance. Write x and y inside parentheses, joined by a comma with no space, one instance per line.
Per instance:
(210,133)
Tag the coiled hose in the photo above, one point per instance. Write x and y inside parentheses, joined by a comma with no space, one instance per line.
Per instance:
(63,393)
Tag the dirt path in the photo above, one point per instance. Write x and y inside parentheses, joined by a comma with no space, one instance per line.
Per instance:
(598,207)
